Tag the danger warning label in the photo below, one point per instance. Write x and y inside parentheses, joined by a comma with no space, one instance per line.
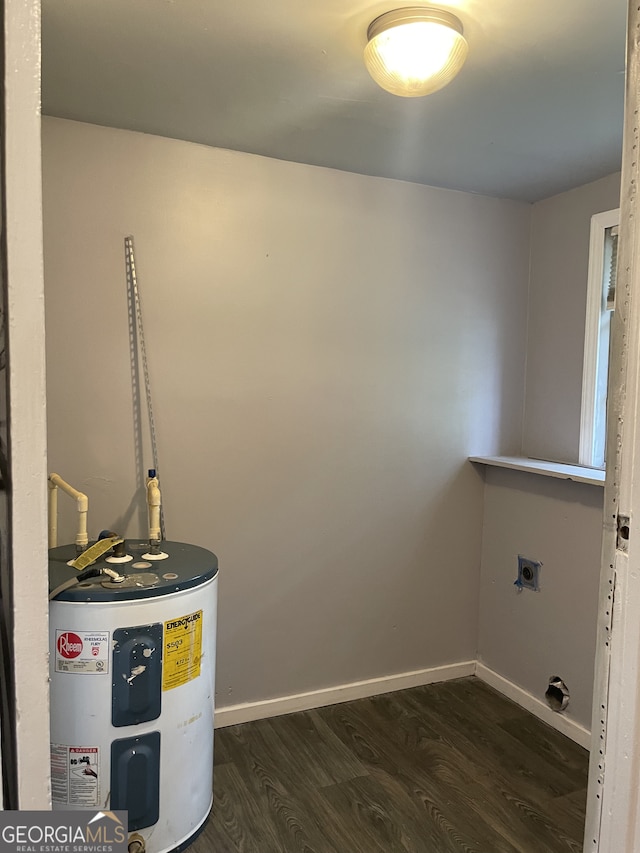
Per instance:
(182,650)
(82,651)
(74,774)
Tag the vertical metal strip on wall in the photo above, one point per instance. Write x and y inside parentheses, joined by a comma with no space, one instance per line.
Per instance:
(138,352)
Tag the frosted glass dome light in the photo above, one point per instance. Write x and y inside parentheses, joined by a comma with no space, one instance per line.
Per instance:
(415,51)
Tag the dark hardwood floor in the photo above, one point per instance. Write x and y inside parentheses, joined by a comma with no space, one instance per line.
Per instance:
(447,768)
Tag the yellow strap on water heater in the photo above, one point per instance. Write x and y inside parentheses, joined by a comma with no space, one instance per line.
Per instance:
(95,551)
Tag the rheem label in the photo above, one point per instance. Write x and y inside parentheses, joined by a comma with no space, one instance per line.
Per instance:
(82,652)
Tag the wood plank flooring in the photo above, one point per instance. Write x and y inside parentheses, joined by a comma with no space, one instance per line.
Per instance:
(447,768)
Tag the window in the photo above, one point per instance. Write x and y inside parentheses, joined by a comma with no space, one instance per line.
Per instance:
(603,251)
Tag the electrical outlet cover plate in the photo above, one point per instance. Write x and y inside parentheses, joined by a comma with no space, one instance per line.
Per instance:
(528,573)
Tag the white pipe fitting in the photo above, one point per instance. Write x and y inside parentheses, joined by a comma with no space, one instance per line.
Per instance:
(82,503)
(153,503)
(53,515)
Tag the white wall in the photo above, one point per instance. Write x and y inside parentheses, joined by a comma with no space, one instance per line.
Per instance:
(557,309)
(529,636)
(326,349)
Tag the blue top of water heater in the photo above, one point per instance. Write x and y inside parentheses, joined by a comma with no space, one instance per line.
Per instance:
(184,567)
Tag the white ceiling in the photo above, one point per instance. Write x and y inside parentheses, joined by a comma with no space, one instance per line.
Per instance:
(537,108)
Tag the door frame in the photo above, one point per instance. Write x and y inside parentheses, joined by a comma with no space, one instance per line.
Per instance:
(24,563)
(613,801)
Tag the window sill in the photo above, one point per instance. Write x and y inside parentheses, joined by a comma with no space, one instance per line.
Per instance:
(577,473)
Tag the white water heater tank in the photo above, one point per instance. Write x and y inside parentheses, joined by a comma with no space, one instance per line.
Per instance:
(132,690)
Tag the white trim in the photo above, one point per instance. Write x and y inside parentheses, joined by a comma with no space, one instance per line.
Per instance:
(562,722)
(613,800)
(558,470)
(27,408)
(245,713)
(599,222)
(620,725)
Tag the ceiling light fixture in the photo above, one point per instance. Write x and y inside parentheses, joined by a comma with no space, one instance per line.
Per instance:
(415,51)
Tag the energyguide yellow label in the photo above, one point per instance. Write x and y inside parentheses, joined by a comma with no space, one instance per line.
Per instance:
(182,650)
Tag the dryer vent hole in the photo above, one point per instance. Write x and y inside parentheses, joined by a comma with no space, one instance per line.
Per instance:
(557,694)
(528,574)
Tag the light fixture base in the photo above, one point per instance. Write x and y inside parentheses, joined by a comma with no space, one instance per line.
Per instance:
(413,15)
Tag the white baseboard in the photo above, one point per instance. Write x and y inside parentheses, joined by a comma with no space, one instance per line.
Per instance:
(233,714)
(562,722)
(246,712)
